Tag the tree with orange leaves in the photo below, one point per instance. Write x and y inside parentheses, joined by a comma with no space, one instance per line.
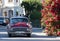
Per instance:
(51,17)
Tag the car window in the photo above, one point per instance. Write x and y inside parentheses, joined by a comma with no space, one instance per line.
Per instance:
(16,20)
(1,19)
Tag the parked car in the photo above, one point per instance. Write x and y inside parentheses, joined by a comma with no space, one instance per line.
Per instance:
(2,21)
(19,26)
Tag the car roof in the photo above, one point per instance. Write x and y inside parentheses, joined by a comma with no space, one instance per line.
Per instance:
(19,17)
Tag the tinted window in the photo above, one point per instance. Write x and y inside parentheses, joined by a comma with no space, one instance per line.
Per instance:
(16,20)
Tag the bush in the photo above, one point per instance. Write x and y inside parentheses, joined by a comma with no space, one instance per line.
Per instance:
(51,17)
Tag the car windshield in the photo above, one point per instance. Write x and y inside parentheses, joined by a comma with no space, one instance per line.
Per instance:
(16,20)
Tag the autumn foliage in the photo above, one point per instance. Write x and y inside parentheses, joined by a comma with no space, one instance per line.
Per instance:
(51,17)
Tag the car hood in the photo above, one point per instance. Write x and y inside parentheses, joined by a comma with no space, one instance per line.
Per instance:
(20,24)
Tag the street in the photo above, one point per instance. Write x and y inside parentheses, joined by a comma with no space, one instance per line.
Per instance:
(37,35)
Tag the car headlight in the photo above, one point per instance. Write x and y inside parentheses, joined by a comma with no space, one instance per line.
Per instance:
(28,29)
(4,21)
(9,27)
(29,25)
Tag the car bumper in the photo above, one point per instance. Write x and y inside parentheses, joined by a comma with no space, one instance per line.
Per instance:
(19,33)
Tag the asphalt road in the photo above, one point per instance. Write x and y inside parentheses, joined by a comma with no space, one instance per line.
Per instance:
(37,35)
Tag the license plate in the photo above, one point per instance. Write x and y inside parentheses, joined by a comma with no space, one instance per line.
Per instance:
(19,32)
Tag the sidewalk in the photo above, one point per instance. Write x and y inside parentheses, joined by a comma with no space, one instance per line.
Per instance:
(39,32)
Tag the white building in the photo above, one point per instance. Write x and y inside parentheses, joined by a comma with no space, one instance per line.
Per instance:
(11,8)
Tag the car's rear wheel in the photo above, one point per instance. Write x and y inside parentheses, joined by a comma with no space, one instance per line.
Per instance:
(4,24)
(28,35)
(10,35)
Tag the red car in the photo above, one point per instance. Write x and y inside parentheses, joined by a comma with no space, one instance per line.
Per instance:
(19,26)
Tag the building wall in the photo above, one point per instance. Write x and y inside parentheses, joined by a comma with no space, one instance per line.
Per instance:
(1,4)
(0,12)
(14,6)
(8,4)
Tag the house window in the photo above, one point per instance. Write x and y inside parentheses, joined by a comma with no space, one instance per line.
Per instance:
(10,13)
(16,0)
(10,0)
(0,1)
(5,13)
(16,13)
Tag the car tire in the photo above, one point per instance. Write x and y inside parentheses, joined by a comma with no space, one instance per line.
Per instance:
(10,35)
(29,35)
